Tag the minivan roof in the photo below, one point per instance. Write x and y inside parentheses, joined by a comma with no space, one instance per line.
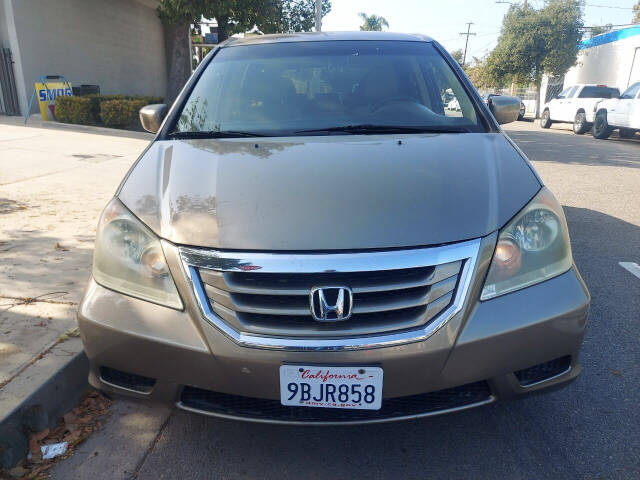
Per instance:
(324,37)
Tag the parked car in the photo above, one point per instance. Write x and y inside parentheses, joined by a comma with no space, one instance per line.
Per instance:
(622,113)
(575,104)
(523,111)
(454,105)
(312,237)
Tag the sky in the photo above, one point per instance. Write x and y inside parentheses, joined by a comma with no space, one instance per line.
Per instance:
(443,20)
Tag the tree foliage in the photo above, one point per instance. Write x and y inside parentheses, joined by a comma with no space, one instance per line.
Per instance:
(599,30)
(636,12)
(458,55)
(478,73)
(373,22)
(232,16)
(299,15)
(536,42)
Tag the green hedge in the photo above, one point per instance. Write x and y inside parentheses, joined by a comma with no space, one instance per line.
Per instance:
(120,111)
(75,110)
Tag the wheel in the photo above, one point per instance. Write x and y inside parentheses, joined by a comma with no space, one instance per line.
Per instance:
(545,120)
(580,125)
(627,133)
(601,128)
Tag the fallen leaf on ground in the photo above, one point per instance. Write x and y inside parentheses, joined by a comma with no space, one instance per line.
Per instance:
(73,428)
(60,247)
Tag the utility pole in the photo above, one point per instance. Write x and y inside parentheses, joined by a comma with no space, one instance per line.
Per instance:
(318,15)
(466,43)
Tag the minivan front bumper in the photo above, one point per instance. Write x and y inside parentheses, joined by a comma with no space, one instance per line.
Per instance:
(512,345)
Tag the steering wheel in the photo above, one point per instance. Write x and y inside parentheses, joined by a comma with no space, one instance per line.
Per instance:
(395,99)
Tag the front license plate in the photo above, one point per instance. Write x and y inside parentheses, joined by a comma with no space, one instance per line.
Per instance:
(331,387)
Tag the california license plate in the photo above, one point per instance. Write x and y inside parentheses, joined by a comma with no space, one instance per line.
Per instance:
(331,387)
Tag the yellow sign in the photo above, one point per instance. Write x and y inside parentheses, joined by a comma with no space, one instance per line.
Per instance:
(47,94)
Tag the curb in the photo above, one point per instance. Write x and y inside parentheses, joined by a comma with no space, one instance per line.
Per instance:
(36,122)
(52,397)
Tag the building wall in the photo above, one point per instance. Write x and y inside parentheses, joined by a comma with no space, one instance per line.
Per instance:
(116,44)
(608,63)
(4,30)
(4,42)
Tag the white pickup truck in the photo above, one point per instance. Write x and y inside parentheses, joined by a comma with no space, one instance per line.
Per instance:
(622,113)
(575,104)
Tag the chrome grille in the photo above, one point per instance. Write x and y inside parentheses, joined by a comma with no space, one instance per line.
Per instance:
(399,296)
(277,304)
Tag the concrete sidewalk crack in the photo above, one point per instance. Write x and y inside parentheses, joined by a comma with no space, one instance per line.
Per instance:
(151,447)
(65,336)
(30,300)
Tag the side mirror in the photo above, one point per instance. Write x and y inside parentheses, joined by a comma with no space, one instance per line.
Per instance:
(151,116)
(505,109)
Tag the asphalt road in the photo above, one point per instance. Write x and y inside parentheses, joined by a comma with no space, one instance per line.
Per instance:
(590,430)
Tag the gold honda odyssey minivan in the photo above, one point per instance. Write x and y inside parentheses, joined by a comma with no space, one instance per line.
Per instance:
(332,228)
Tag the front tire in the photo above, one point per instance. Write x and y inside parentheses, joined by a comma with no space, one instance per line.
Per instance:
(580,125)
(601,128)
(545,120)
(627,133)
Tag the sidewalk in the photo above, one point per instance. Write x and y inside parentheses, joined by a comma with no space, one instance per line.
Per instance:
(54,181)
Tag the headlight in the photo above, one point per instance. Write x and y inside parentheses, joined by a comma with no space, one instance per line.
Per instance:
(533,247)
(128,258)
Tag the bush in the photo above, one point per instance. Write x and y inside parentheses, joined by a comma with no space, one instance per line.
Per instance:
(78,110)
(119,111)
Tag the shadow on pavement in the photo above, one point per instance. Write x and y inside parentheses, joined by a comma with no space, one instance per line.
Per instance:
(543,146)
(34,263)
(41,279)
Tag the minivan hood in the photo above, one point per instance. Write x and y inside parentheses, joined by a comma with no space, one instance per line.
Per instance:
(329,192)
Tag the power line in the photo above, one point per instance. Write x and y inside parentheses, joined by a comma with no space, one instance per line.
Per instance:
(466,43)
(608,26)
(608,6)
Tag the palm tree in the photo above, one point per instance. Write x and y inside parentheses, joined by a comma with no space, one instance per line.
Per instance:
(373,22)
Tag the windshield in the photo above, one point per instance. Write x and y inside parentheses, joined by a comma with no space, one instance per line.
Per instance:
(599,92)
(631,91)
(303,88)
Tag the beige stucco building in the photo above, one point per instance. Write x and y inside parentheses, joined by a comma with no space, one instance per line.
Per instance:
(116,44)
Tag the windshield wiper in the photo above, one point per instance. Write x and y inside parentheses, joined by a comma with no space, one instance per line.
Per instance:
(215,134)
(365,129)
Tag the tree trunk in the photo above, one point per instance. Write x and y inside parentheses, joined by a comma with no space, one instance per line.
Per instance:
(179,65)
(223,28)
(538,83)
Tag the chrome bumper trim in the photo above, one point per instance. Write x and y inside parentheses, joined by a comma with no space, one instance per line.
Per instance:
(194,258)
(330,423)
